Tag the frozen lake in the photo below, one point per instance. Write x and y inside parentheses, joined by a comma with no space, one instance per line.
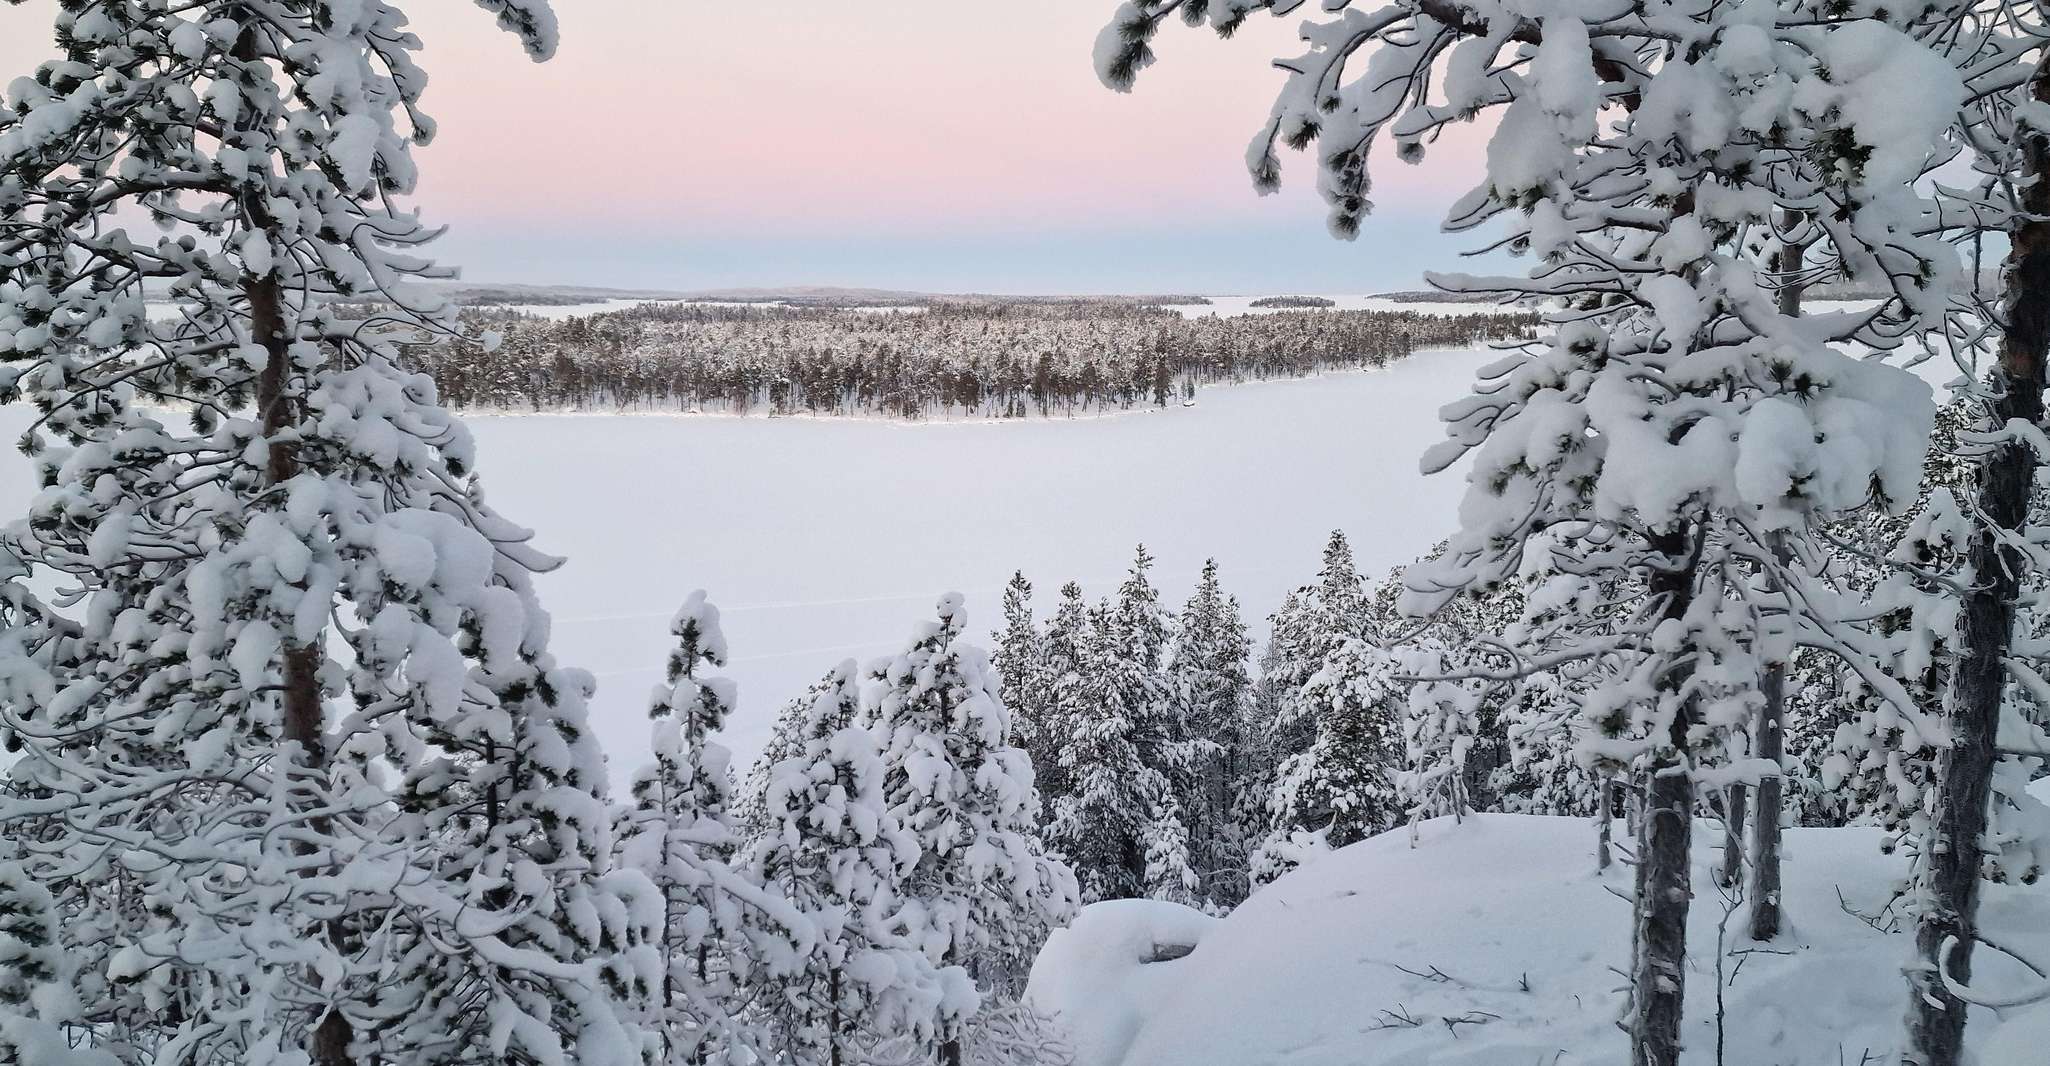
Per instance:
(822,539)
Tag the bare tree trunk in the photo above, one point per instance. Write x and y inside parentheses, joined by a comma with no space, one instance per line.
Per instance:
(1658,970)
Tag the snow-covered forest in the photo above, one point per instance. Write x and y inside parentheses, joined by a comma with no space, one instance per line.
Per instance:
(1004,359)
(1713,730)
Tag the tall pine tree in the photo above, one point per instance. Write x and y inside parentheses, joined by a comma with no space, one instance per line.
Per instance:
(327,794)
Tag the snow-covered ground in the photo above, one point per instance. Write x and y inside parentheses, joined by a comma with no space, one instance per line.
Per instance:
(822,539)
(1490,944)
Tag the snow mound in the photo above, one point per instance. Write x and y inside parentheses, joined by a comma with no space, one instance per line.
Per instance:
(1493,942)
(1098,973)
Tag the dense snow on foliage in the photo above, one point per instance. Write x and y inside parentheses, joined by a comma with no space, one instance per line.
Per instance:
(300,775)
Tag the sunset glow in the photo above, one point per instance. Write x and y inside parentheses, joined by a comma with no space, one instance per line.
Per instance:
(728,144)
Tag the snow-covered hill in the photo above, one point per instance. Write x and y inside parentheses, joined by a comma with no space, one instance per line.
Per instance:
(1489,943)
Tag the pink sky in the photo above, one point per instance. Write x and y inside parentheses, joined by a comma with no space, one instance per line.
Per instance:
(834,113)
(916,126)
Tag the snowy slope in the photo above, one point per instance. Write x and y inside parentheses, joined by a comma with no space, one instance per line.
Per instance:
(1503,928)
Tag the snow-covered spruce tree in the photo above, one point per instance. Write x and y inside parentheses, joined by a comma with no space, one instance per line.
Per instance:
(1062,699)
(982,892)
(1314,621)
(1340,789)
(325,791)
(1017,661)
(717,927)
(1440,651)
(831,849)
(1120,825)
(1133,640)
(1209,676)
(1541,769)
(1670,413)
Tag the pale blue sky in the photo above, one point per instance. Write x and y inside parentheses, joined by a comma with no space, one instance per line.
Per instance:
(925,144)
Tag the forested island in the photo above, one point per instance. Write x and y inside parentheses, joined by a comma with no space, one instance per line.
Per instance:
(953,359)
(1295,303)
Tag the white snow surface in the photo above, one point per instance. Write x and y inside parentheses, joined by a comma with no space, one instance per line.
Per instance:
(1100,976)
(825,539)
(1311,970)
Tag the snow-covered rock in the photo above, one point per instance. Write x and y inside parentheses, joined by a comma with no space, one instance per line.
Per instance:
(1490,943)
(1104,974)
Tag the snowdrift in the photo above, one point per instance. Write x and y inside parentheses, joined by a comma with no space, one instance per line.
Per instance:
(1493,942)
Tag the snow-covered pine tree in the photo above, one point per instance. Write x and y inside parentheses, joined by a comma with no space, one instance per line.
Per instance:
(1209,675)
(787,738)
(1669,415)
(1141,622)
(717,927)
(2002,123)
(36,1001)
(982,891)
(299,579)
(829,847)
(1441,722)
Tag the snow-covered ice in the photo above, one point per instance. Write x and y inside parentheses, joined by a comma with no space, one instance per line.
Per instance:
(822,539)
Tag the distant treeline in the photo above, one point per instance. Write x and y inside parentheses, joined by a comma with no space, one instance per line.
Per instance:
(953,359)
(1295,302)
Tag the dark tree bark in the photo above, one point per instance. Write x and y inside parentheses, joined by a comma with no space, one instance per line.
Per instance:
(1769,743)
(1936,1019)
(1604,819)
(1768,739)
(303,717)
(1658,967)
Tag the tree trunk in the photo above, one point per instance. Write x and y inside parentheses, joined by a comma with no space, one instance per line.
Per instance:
(1936,1019)
(1658,970)
(1769,743)
(1768,739)
(836,1026)
(303,716)
(1604,817)
(1735,801)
